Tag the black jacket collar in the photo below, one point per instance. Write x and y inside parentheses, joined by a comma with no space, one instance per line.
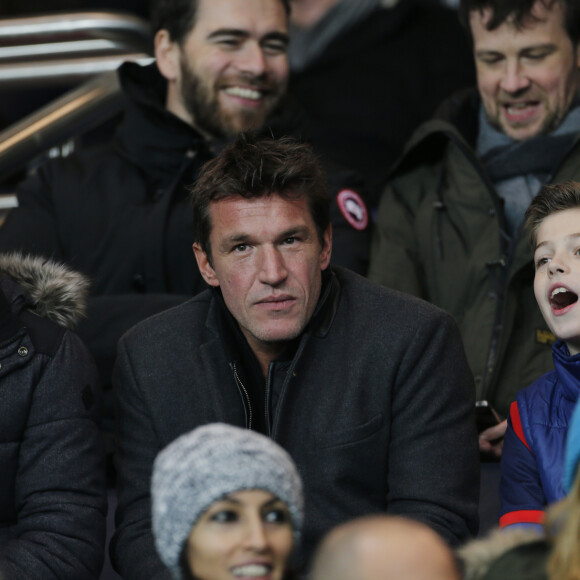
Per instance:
(150,136)
(462,111)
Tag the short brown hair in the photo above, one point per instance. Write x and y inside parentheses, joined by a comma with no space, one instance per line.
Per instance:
(551,199)
(253,167)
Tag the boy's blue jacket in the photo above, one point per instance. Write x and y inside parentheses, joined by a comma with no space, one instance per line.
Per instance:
(533,453)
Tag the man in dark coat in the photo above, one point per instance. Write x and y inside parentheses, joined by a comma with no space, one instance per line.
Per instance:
(366,388)
(52,483)
(119,213)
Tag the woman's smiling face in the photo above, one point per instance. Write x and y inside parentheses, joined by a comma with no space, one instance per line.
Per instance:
(247,535)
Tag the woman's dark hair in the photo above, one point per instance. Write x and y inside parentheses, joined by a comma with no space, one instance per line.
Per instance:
(186,573)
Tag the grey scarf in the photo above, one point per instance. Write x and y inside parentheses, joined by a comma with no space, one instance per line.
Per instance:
(518,169)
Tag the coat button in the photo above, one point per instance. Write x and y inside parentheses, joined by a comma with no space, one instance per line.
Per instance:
(22,351)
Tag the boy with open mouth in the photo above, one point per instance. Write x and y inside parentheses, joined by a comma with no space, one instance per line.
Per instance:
(532,462)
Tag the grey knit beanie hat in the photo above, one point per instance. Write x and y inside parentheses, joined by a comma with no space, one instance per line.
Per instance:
(205,465)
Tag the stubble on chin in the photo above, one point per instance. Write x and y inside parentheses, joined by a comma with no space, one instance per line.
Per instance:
(243,121)
(551,121)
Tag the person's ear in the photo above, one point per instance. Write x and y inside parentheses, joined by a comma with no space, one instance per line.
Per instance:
(326,248)
(205,267)
(167,55)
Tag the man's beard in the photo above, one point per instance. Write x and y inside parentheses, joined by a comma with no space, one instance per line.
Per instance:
(555,113)
(203,105)
(551,121)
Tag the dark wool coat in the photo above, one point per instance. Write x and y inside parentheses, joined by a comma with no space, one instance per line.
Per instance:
(52,484)
(376,408)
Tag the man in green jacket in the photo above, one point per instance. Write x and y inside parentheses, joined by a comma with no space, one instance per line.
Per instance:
(449,223)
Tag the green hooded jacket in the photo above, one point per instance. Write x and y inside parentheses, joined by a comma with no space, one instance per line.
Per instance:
(440,235)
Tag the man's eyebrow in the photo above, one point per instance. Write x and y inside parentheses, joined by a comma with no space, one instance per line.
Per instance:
(238,33)
(302,230)
(279,36)
(228,32)
(487,51)
(242,237)
(236,238)
(548,47)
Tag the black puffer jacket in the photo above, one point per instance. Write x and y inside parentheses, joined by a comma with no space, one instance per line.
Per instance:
(52,481)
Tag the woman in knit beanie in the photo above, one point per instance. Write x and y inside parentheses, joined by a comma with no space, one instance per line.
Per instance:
(226,503)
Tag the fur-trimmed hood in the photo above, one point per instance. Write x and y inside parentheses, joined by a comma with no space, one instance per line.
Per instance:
(478,555)
(53,290)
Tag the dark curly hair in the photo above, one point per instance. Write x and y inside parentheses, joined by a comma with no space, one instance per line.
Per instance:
(519,12)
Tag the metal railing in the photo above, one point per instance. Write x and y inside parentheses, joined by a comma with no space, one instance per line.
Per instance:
(68,47)
(47,36)
(33,52)
(7,201)
(74,113)
(62,71)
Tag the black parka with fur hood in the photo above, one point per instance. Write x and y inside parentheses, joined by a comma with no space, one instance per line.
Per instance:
(52,480)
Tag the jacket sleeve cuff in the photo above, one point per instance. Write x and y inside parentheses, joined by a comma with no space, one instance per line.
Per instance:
(521,517)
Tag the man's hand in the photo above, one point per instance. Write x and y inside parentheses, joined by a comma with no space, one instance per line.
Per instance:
(491,439)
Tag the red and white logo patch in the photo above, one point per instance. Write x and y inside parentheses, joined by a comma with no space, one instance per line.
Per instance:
(353,209)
